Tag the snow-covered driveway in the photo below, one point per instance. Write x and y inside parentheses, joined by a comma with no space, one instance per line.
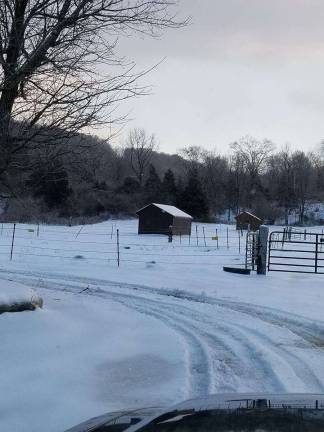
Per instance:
(203,345)
(167,325)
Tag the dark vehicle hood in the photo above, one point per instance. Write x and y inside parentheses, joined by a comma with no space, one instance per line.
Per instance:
(133,420)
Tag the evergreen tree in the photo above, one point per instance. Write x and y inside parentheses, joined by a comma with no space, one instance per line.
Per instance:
(169,188)
(130,186)
(193,199)
(51,183)
(153,186)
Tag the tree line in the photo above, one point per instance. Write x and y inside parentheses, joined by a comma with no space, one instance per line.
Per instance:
(56,82)
(89,178)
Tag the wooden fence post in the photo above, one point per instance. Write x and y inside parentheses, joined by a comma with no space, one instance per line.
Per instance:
(204,236)
(118,254)
(79,232)
(170,235)
(13,241)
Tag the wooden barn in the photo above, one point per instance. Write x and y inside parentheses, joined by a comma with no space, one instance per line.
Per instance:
(246,219)
(161,219)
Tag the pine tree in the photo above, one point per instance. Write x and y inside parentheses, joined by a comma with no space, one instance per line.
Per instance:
(130,186)
(153,186)
(50,183)
(169,188)
(193,199)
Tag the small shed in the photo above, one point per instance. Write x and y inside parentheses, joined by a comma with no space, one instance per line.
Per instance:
(246,219)
(161,219)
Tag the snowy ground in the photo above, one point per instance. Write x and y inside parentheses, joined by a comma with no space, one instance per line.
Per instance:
(167,325)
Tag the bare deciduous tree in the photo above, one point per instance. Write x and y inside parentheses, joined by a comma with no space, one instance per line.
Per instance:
(281,180)
(254,153)
(302,169)
(215,173)
(236,184)
(140,147)
(193,157)
(56,66)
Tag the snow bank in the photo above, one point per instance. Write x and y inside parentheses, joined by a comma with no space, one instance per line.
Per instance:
(15,295)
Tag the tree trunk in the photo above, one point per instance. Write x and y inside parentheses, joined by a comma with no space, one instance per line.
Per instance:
(286,216)
(6,105)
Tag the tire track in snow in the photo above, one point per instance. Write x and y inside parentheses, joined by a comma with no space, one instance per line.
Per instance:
(311,331)
(214,343)
(244,335)
(300,326)
(201,360)
(198,361)
(256,364)
(300,368)
(243,360)
(217,337)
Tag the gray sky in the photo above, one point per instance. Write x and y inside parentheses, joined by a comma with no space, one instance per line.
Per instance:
(241,67)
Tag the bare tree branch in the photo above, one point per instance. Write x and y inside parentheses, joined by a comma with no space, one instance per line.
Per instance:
(141,148)
(58,67)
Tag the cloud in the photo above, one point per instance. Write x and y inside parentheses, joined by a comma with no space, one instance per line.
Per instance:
(241,67)
(241,28)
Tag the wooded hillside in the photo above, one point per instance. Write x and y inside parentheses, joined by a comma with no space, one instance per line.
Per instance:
(87,178)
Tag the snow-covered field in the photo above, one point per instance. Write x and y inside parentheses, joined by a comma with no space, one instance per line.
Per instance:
(167,325)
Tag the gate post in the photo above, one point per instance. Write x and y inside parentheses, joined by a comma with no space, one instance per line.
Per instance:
(316,253)
(262,250)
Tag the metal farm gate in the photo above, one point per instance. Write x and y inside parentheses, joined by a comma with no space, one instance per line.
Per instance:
(251,250)
(296,252)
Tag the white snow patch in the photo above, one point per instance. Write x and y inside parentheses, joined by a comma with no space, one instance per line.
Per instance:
(172,210)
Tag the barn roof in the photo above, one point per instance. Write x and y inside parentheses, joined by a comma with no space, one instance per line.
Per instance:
(172,210)
(249,214)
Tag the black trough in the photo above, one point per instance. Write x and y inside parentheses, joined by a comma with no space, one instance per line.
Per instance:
(237,270)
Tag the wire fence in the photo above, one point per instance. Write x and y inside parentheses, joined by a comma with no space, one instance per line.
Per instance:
(117,245)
